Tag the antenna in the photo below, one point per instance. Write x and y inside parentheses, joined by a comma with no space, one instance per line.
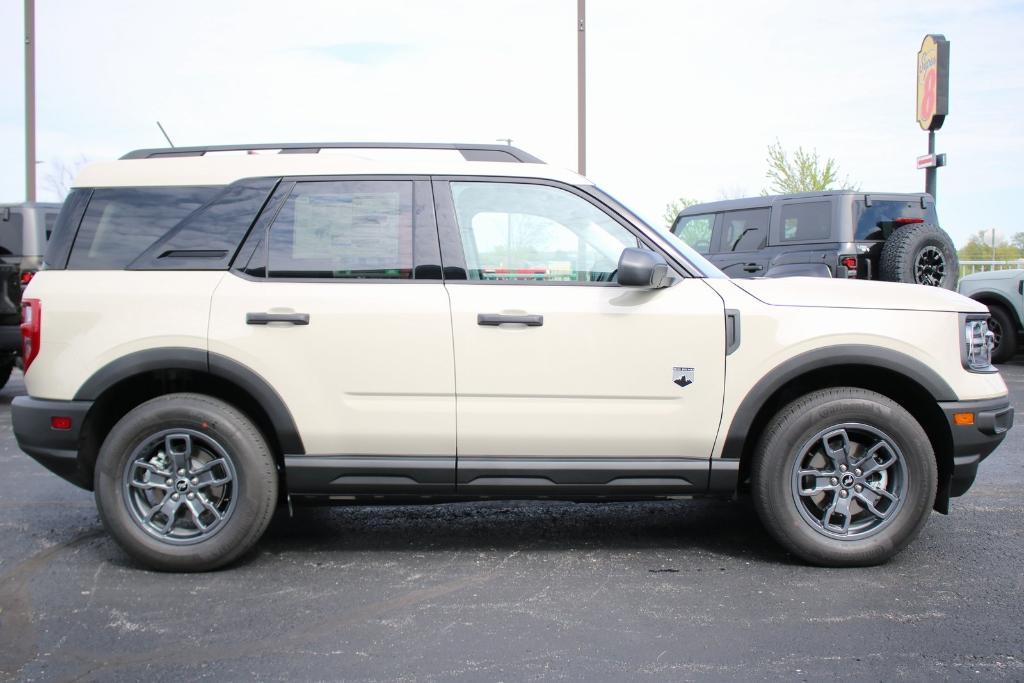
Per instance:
(165,134)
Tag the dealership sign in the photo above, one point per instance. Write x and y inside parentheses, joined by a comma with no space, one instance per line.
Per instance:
(933,82)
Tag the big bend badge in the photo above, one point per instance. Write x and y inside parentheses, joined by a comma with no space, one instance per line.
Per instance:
(682,376)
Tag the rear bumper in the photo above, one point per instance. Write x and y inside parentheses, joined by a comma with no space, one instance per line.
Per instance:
(54,449)
(993,418)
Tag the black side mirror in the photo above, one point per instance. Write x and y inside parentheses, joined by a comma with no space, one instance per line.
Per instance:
(643,268)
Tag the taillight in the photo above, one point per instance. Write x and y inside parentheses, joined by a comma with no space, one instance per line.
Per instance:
(906,220)
(26,277)
(31,313)
(850,263)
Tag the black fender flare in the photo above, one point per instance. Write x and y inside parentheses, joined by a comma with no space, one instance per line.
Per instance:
(200,360)
(829,356)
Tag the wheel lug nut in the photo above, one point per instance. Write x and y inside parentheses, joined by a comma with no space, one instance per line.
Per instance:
(180,472)
(170,481)
(195,480)
(833,481)
(175,496)
(191,496)
(858,488)
(857,472)
(842,468)
(844,493)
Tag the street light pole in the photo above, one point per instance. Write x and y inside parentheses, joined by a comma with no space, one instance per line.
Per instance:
(581,85)
(30,101)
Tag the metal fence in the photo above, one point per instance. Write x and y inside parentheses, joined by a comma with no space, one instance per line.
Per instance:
(968,267)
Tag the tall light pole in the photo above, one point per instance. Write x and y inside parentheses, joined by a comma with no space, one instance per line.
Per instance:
(581,85)
(30,101)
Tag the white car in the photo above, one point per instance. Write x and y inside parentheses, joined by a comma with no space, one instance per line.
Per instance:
(217,331)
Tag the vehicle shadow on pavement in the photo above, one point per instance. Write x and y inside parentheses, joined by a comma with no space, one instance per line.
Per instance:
(723,527)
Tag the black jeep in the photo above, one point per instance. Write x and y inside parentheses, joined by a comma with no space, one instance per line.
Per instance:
(844,234)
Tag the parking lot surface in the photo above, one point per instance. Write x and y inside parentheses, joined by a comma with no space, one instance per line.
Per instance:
(512,591)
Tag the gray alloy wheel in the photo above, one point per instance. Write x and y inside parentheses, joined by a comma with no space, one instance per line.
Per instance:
(180,486)
(850,481)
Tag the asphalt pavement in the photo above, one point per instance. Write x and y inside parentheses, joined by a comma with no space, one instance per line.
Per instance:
(687,590)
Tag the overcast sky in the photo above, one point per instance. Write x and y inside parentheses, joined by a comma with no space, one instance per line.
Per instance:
(683,97)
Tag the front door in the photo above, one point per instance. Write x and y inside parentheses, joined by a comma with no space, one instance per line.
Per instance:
(741,239)
(564,379)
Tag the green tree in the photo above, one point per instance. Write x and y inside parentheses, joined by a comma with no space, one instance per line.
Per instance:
(1018,241)
(801,171)
(979,247)
(672,209)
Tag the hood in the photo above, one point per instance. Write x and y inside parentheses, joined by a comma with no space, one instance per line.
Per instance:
(828,293)
(994,275)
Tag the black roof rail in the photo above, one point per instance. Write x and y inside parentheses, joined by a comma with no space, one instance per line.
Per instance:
(470,152)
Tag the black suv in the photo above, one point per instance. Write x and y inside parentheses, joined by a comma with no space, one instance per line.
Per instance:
(843,234)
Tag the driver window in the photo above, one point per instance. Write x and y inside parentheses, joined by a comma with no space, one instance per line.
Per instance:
(523,232)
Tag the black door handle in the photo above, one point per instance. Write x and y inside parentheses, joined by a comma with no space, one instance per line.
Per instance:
(752,267)
(266,318)
(496,319)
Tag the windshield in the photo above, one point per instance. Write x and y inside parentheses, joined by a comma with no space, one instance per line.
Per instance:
(688,253)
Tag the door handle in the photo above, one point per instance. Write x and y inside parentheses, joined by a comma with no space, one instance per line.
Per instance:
(267,318)
(752,267)
(496,319)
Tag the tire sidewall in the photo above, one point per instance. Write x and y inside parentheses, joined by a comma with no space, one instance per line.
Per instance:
(1007,336)
(255,485)
(903,248)
(782,448)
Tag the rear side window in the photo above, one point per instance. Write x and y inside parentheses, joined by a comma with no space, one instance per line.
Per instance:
(696,231)
(806,221)
(10,234)
(744,230)
(877,221)
(121,223)
(354,229)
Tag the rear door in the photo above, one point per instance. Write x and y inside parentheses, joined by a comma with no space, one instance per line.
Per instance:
(565,380)
(740,239)
(341,308)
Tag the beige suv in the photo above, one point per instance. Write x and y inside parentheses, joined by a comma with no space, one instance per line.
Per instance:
(220,330)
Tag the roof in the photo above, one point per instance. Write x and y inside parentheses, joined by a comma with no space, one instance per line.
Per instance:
(222,165)
(768,200)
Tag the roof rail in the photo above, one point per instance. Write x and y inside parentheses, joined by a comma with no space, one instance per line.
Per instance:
(469,152)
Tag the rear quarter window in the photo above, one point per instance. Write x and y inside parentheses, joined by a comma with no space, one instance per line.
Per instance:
(121,223)
(806,221)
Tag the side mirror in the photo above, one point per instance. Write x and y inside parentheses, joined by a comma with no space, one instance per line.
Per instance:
(643,268)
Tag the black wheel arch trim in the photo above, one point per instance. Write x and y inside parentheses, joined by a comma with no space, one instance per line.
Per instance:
(200,360)
(819,359)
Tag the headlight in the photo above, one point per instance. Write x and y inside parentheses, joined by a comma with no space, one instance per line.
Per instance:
(976,344)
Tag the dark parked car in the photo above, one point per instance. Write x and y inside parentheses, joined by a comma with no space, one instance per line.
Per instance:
(24,229)
(843,234)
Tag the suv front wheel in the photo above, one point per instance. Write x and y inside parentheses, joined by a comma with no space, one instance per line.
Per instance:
(844,477)
(185,482)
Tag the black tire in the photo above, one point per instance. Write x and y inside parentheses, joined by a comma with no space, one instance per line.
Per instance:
(920,254)
(208,434)
(6,367)
(1004,331)
(788,511)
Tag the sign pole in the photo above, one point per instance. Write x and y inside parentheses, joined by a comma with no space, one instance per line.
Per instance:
(931,174)
(581,86)
(30,101)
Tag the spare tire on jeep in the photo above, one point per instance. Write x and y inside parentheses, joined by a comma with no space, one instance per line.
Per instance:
(920,254)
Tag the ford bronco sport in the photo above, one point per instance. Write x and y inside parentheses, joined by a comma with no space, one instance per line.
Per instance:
(217,332)
(842,234)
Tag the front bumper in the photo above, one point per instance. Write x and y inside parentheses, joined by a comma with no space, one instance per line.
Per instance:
(54,449)
(973,443)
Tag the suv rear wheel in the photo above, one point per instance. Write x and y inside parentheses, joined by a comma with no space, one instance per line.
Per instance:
(844,477)
(920,254)
(185,482)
